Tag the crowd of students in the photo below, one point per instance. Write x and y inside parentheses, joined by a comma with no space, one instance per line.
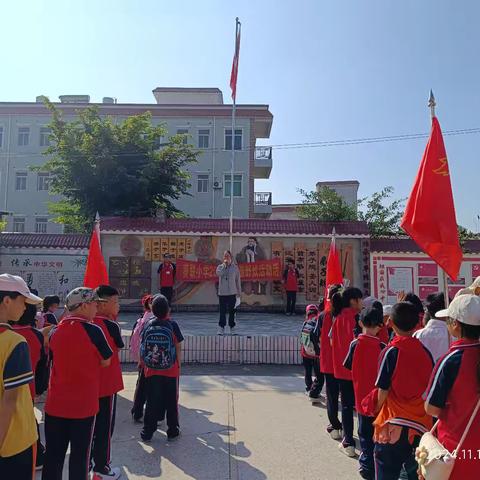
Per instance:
(402,368)
(75,361)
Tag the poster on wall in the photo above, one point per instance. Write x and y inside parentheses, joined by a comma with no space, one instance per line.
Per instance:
(400,279)
(49,274)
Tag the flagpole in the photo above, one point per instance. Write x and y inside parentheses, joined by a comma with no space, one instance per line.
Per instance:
(432,104)
(234,108)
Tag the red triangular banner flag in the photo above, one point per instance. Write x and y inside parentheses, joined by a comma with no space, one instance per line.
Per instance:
(96,271)
(334,274)
(429,217)
(236,57)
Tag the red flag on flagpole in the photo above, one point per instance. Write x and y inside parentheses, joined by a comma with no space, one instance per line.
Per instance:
(429,217)
(334,270)
(236,56)
(96,271)
(334,267)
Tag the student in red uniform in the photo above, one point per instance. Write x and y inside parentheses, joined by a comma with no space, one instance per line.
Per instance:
(334,428)
(78,350)
(345,309)
(166,277)
(310,351)
(111,382)
(290,282)
(18,433)
(38,360)
(403,375)
(161,354)
(362,360)
(453,392)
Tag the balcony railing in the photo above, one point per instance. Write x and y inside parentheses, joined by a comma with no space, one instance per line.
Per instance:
(263,198)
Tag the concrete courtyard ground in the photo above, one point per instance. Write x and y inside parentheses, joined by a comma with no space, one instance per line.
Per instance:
(249,423)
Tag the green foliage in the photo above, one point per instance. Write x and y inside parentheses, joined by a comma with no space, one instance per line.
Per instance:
(326,205)
(115,168)
(383,220)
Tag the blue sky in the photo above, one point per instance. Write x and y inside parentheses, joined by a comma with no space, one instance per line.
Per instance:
(329,70)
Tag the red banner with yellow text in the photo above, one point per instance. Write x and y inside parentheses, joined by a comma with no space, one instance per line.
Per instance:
(262,270)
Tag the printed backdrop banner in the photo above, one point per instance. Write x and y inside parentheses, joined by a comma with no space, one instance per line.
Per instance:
(263,270)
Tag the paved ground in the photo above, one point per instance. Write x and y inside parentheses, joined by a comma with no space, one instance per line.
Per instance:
(206,323)
(242,423)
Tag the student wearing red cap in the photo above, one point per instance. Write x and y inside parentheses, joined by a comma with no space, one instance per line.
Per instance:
(334,429)
(111,382)
(453,392)
(403,375)
(18,431)
(79,350)
(362,360)
(346,307)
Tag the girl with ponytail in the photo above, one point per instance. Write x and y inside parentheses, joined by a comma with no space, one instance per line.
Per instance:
(346,307)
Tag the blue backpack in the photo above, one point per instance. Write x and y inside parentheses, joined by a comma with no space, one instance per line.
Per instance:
(157,350)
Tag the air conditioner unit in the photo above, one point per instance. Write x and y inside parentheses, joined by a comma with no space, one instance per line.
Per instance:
(217,185)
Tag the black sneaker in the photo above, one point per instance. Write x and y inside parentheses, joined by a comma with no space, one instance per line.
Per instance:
(146,436)
(173,436)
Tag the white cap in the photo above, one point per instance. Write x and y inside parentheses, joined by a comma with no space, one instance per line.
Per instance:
(464,308)
(12,283)
(387,310)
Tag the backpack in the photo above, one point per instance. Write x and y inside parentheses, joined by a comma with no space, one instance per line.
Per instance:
(158,350)
(136,337)
(308,345)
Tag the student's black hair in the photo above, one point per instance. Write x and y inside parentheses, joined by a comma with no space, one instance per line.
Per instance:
(341,300)
(12,295)
(106,291)
(434,303)
(290,260)
(160,306)
(413,299)
(404,316)
(378,306)
(28,317)
(372,317)
(48,301)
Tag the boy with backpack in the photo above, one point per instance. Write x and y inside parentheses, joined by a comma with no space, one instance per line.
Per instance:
(160,353)
(310,351)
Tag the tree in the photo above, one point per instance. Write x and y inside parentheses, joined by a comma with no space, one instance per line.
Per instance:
(327,206)
(383,220)
(113,168)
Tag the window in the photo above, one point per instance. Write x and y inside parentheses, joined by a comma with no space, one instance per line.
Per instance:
(41,225)
(237,185)
(228,139)
(43,182)
(202,183)
(21,181)
(45,136)
(184,132)
(23,136)
(203,138)
(19,224)
(1,137)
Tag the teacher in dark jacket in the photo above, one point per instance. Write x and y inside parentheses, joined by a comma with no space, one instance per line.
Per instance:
(229,288)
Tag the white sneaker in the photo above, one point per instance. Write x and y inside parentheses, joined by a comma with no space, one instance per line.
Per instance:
(348,451)
(112,474)
(233,331)
(336,434)
(221,331)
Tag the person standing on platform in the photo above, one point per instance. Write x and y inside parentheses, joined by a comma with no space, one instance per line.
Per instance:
(290,281)
(229,289)
(166,277)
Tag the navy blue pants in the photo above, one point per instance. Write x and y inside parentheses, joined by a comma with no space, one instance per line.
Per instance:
(390,458)
(365,435)
(332,401)
(347,396)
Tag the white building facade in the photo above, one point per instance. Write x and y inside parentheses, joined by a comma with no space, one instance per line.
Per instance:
(198,113)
